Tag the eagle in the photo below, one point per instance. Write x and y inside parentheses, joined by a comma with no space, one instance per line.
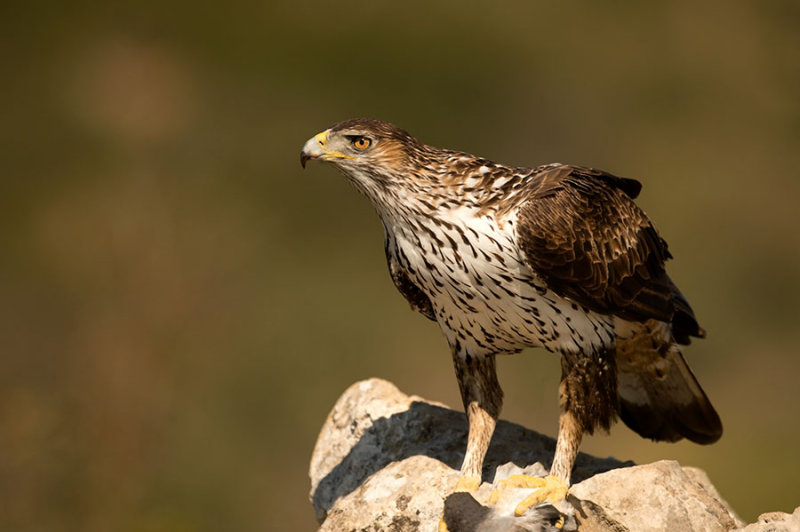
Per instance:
(557,256)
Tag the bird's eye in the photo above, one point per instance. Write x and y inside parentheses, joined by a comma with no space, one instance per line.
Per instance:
(360,143)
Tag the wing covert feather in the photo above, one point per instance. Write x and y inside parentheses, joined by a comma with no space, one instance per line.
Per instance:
(582,233)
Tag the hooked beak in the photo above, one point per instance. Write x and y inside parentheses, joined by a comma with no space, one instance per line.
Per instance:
(317,147)
(314,147)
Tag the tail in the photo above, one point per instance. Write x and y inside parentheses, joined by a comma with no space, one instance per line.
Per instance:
(659,395)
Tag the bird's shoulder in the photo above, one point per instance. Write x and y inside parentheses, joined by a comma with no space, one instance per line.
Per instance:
(503,187)
(568,201)
(547,180)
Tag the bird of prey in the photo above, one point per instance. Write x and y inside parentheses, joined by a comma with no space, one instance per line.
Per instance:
(557,256)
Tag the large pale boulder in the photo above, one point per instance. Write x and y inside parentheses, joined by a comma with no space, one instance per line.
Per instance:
(388,461)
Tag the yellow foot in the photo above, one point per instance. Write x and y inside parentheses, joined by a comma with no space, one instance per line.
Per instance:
(549,488)
(468,484)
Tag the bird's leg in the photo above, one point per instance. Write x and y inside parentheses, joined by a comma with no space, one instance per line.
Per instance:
(554,486)
(588,398)
(483,399)
(570,434)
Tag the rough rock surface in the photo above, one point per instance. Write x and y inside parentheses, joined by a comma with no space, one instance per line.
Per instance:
(657,496)
(387,461)
(776,522)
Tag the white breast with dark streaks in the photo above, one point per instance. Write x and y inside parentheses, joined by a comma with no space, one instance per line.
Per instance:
(486,299)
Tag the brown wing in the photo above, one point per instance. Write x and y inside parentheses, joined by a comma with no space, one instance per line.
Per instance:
(582,233)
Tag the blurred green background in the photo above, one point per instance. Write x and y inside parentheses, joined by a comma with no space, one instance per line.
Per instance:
(181,304)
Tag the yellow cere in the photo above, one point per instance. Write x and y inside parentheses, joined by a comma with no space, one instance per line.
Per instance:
(322,138)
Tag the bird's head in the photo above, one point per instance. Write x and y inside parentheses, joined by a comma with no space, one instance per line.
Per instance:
(359,142)
(375,155)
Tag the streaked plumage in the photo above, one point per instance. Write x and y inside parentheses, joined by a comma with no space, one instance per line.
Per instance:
(556,256)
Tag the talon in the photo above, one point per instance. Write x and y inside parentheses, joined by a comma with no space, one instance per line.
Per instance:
(515,481)
(552,489)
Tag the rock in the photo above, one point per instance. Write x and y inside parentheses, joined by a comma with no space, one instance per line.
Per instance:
(776,522)
(387,461)
(393,499)
(657,496)
(375,432)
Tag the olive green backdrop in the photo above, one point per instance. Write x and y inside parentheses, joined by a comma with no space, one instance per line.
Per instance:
(181,304)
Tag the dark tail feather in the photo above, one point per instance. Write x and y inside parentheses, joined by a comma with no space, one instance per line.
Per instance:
(660,397)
